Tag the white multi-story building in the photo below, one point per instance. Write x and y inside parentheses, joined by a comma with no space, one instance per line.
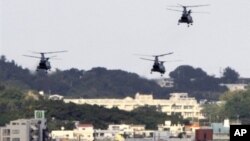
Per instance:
(24,130)
(177,103)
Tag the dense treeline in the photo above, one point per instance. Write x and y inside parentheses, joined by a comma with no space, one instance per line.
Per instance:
(235,105)
(100,82)
(15,104)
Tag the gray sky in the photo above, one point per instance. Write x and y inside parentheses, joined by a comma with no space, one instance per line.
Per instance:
(107,33)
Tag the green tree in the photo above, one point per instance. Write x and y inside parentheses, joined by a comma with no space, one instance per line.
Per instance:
(230,75)
(187,78)
(238,105)
(214,112)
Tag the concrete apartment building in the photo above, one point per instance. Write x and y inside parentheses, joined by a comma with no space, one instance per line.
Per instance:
(177,103)
(24,130)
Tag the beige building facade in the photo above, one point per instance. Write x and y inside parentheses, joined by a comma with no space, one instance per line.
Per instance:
(177,103)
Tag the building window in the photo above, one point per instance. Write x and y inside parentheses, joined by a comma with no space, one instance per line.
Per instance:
(115,128)
(176,107)
(6,139)
(15,132)
(6,132)
(188,107)
(16,139)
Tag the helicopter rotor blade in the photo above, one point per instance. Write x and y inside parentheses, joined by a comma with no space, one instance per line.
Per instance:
(32,56)
(50,52)
(197,5)
(53,58)
(147,59)
(155,55)
(200,12)
(170,61)
(163,54)
(174,10)
(173,61)
(188,6)
(180,5)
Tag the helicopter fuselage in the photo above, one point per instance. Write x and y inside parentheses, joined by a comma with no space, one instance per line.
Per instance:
(186,19)
(44,65)
(158,67)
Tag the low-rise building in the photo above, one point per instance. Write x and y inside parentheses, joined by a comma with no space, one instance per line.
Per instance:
(173,129)
(83,132)
(63,135)
(128,130)
(221,130)
(177,103)
(236,87)
(102,135)
(165,82)
(119,127)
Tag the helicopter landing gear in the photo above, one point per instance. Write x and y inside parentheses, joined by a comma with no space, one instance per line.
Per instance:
(151,72)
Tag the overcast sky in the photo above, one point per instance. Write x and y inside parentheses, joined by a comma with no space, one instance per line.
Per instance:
(106,33)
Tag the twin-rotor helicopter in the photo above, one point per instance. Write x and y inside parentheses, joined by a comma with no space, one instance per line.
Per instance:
(44,63)
(186,13)
(158,65)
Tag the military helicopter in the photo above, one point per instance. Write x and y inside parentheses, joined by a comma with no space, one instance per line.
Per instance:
(158,65)
(186,14)
(44,63)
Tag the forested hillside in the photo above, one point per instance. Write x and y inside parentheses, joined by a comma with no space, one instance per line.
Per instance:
(102,83)
(97,82)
